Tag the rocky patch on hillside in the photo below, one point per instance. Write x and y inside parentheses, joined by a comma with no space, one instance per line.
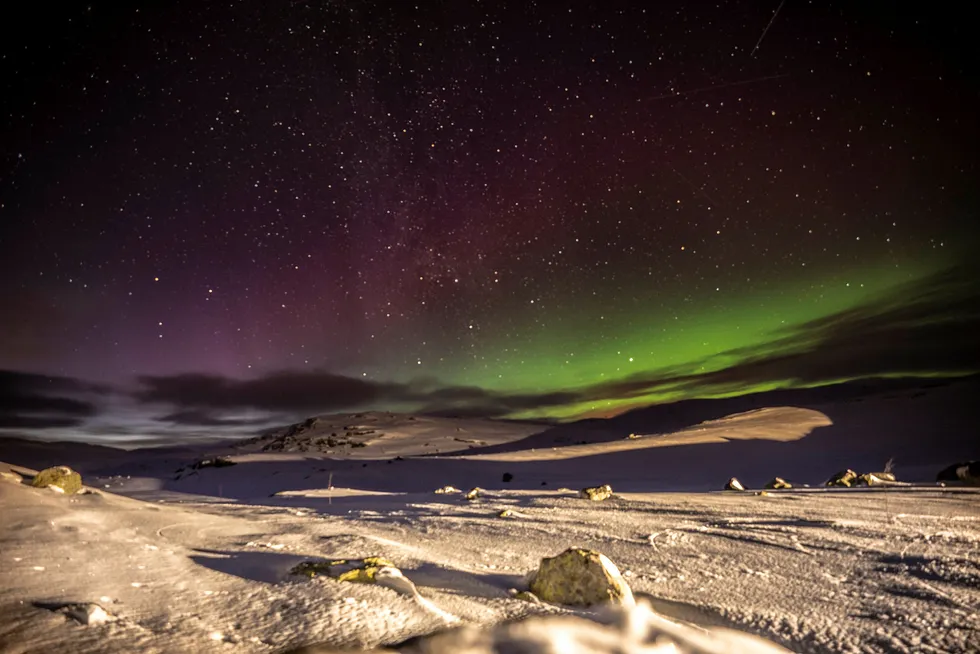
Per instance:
(317,435)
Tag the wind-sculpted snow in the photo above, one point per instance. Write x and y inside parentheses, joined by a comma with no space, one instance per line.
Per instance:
(202,563)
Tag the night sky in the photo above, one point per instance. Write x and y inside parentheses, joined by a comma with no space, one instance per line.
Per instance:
(217,215)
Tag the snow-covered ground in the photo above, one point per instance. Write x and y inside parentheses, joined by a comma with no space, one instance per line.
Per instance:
(196,560)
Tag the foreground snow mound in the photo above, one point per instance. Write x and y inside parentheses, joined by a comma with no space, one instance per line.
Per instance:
(633,630)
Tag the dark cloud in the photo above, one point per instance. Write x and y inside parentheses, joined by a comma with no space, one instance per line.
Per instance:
(281,391)
(196,395)
(495,405)
(32,401)
(471,401)
(14,381)
(20,421)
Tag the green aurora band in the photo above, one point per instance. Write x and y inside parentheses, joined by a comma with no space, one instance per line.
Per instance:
(686,336)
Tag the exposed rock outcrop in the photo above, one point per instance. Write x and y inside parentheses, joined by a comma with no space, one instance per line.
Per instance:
(596,493)
(734,485)
(315,435)
(362,571)
(61,477)
(843,479)
(580,577)
(874,479)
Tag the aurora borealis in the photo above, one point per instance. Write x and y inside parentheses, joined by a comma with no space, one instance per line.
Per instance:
(212,216)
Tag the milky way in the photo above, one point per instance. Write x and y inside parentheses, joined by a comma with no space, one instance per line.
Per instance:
(593,204)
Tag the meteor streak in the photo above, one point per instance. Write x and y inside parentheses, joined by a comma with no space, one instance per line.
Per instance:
(719,86)
(771,21)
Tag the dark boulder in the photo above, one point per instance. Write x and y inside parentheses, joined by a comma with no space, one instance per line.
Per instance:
(213,462)
(967,472)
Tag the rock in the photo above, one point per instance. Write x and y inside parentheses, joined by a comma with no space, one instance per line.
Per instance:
(447,490)
(90,614)
(778,482)
(596,493)
(507,477)
(214,462)
(86,613)
(843,479)
(524,595)
(474,493)
(309,435)
(970,473)
(580,577)
(874,479)
(967,472)
(301,427)
(362,571)
(69,481)
(734,485)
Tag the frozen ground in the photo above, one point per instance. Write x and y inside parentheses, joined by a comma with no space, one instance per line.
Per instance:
(198,563)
